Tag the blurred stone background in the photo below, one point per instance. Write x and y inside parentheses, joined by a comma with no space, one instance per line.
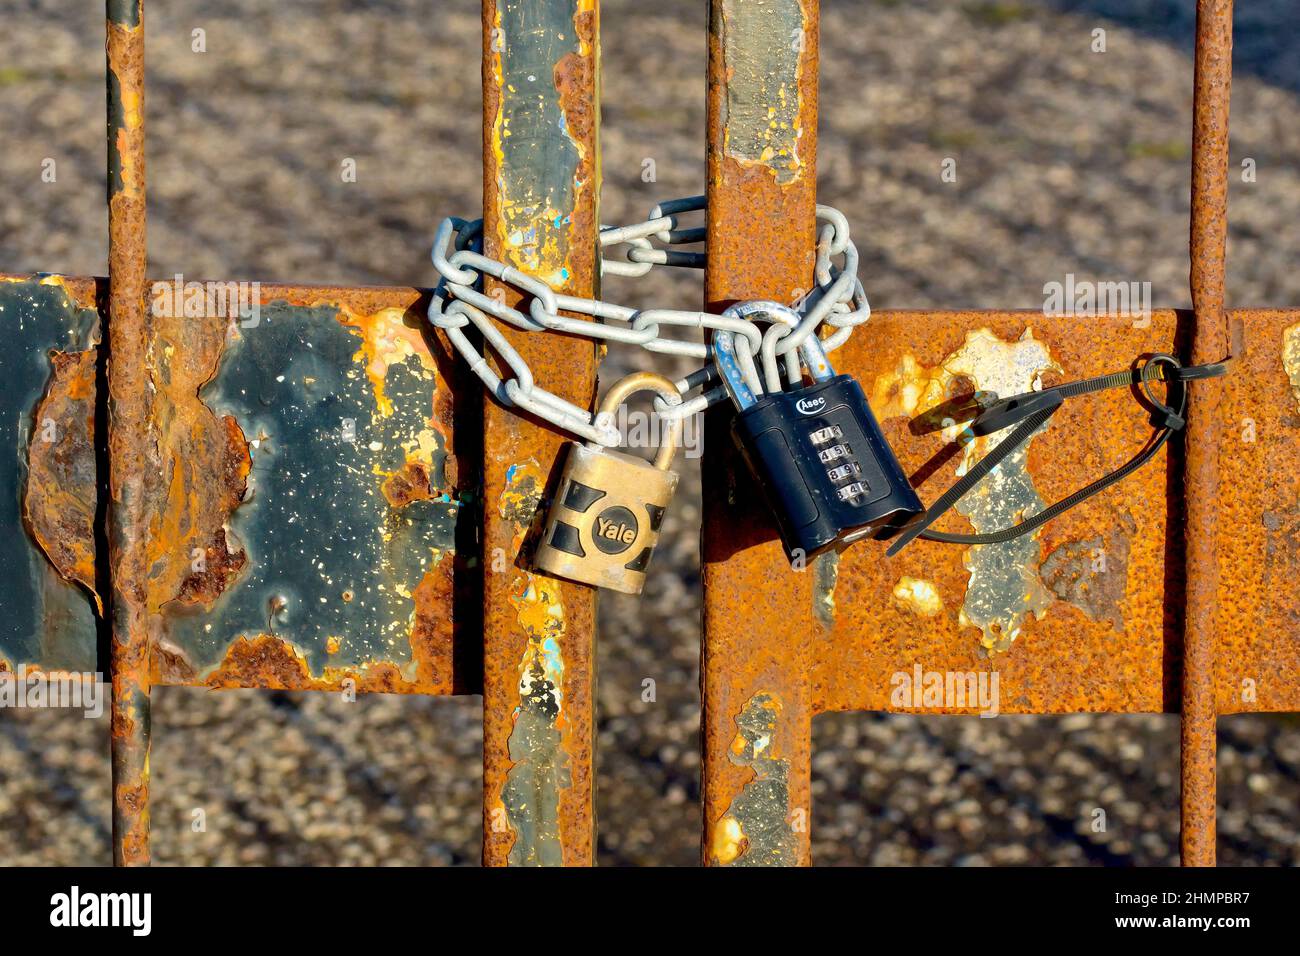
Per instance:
(1068,161)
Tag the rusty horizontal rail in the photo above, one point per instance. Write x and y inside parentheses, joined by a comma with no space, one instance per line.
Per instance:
(1095,647)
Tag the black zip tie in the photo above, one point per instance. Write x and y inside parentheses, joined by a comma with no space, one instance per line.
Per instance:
(1030,411)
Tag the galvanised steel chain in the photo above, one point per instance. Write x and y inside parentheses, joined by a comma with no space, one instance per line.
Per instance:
(837,298)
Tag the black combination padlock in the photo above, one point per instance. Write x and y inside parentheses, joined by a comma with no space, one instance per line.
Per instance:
(826,470)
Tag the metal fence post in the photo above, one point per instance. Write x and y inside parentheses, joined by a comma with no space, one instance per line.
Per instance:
(762,191)
(129,437)
(541,181)
(1209,236)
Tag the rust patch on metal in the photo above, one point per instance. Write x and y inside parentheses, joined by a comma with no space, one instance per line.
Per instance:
(135,493)
(1093,574)
(60,500)
(48,480)
(195,556)
(1004,586)
(372,349)
(125,104)
(756,829)
(1064,661)
(762,231)
(1212,85)
(1257,665)
(763,122)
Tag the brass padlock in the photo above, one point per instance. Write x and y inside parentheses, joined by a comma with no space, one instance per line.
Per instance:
(604,523)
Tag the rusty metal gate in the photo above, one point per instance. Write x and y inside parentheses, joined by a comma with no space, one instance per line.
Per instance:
(167,455)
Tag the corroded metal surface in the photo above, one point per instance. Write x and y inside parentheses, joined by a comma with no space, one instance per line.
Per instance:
(228,443)
(1210,343)
(1257,546)
(1004,585)
(763,121)
(761,233)
(1058,592)
(316,498)
(757,830)
(339,402)
(133,478)
(1110,635)
(48,480)
(541,176)
(1117,605)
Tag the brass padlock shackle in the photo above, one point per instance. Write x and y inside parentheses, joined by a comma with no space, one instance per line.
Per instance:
(621,390)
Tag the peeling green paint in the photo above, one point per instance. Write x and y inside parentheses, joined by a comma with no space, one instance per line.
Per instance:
(45,620)
(1004,584)
(116,122)
(762,43)
(1291,358)
(826,574)
(539,765)
(538,157)
(756,829)
(329,556)
(125,13)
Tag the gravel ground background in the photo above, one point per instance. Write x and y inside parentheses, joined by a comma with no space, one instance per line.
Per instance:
(1068,161)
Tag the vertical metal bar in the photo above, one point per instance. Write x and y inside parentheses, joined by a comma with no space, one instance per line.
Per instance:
(758,615)
(541,181)
(1209,235)
(129,433)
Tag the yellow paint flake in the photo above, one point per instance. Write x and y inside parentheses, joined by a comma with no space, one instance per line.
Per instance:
(386,340)
(45,280)
(728,841)
(918,596)
(1291,358)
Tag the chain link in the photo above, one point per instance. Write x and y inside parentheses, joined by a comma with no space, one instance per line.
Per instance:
(459,302)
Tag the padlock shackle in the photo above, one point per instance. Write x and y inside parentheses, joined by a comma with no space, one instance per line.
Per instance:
(727,362)
(628,386)
(810,349)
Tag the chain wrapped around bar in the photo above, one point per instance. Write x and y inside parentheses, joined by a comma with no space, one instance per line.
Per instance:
(837,299)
